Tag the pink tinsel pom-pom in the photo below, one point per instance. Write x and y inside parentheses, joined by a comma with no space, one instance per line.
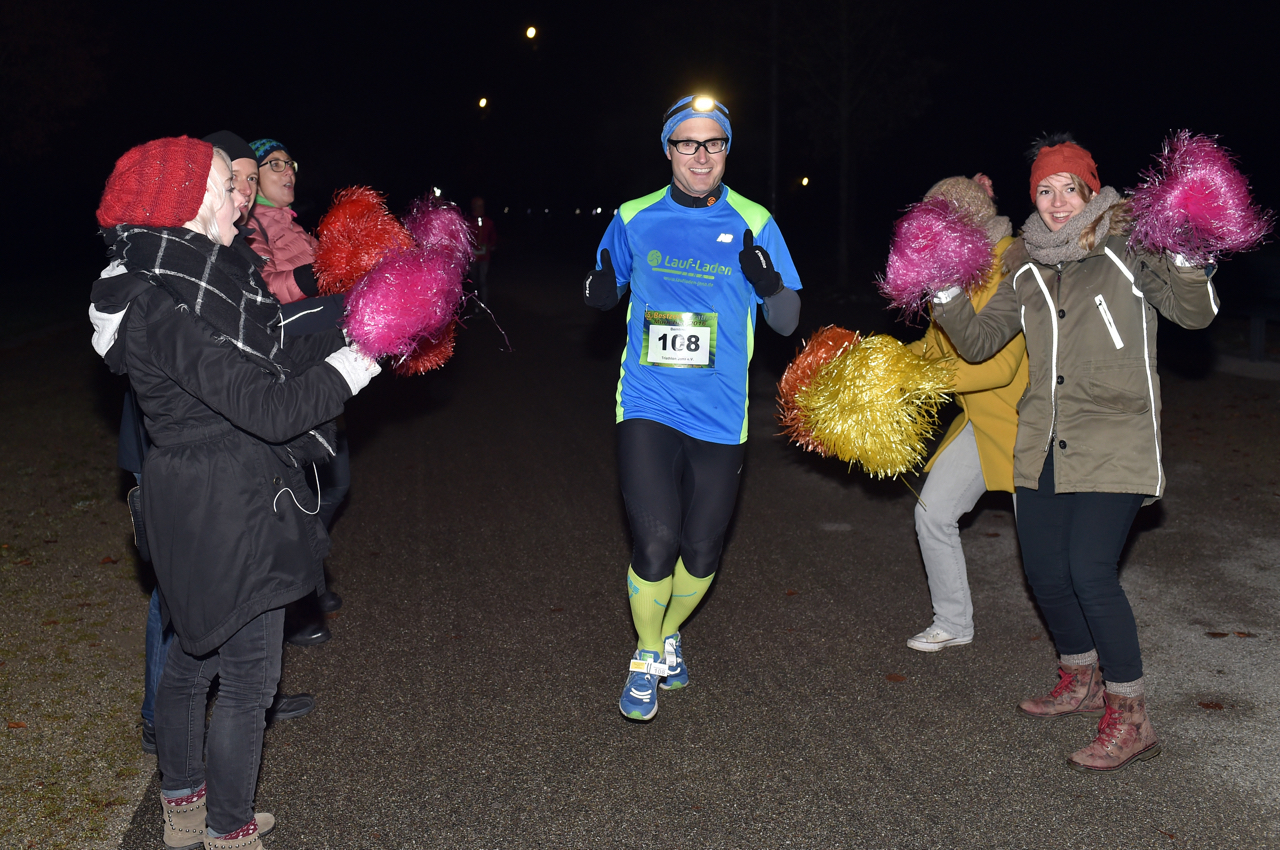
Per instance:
(409,295)
(933,248)
(1196,204)
(441,228)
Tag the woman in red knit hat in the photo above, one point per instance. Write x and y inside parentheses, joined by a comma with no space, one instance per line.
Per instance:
(238,415)
(1087,452)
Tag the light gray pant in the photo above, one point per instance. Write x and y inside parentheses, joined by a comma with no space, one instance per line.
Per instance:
(952,489)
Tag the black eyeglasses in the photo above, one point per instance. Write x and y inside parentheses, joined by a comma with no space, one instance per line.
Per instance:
(278,165)
(689,147)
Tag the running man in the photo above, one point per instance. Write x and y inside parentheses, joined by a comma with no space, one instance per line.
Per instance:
(698,259)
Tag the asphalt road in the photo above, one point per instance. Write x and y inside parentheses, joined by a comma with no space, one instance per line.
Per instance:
(469,696)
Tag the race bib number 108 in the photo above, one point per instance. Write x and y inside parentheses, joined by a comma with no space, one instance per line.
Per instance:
(677,339)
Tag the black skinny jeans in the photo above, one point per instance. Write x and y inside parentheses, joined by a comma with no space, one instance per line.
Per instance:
(1071,544)
(248,668)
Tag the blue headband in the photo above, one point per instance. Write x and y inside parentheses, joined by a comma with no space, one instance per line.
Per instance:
(683,109)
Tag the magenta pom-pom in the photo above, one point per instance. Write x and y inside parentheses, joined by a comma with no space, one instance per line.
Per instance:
(408,296)
(1196,203)
(934,248)
(440,228)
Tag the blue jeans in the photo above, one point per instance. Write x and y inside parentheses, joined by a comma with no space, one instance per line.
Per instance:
(335,480)
(248,668)
(1071,544)
(158,640)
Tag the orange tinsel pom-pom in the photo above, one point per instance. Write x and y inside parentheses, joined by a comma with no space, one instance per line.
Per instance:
(355,234)
(430,353)
(824,346)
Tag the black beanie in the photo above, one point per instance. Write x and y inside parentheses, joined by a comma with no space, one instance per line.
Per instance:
(236,147)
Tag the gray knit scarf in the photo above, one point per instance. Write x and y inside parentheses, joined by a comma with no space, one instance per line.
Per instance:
(1063,246)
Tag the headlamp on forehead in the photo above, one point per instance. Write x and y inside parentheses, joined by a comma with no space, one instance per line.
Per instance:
(695,106)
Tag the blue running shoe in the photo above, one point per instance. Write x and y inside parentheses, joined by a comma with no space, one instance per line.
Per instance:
(640,694)
(677,674)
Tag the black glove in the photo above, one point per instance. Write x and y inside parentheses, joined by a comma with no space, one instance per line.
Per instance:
(304,277)
(757,267)
(600,289)
(313,315)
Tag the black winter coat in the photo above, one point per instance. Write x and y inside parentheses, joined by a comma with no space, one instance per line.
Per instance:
(228,538)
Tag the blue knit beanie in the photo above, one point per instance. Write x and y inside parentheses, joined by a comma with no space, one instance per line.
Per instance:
(693,106)
(262,148)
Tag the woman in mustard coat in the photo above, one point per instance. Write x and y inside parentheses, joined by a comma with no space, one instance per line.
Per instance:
(976,454)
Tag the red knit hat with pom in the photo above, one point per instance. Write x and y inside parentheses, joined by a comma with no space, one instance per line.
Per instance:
(1068,157)
(157,184)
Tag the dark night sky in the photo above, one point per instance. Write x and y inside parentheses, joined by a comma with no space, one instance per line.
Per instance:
(385,95)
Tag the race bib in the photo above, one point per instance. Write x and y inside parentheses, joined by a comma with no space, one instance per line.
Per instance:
(682,340)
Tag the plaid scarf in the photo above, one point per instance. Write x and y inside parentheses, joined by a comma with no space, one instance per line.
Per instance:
(223,288)
(212,282)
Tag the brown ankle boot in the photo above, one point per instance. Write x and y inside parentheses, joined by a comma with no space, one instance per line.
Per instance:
(1079,691)
(1124,735)
(183,824)
(248,837)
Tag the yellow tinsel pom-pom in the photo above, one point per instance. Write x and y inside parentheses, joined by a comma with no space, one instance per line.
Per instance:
(875,405)
(824,346)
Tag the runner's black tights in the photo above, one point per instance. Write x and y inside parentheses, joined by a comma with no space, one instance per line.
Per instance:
(680,492)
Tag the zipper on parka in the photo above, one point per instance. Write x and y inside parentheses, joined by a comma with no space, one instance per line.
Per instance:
(1053,380)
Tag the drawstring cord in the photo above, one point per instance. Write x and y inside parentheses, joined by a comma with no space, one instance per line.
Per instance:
(295,501)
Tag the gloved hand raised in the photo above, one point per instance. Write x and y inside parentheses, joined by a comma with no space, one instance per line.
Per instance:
(757,267)
(354,365)
(600,289)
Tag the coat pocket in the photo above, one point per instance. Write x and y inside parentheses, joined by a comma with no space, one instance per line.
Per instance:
(1120,386)
(1109,322)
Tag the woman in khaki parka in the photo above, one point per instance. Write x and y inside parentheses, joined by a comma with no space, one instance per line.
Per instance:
(1087,454)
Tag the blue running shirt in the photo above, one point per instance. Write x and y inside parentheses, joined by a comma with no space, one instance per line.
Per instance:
(692,314)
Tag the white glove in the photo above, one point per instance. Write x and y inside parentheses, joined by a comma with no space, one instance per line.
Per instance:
(947,294)
(1179,260)
(357,367)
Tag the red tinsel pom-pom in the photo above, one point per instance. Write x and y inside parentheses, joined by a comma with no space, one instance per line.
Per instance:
(825,345)
(934,247)
(355,234)
(1197,203)
(431,353)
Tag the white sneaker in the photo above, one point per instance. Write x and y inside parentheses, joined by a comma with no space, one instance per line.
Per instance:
(933,639)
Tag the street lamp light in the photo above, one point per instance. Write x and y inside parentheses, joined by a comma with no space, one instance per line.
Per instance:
(484,101)
(530,32)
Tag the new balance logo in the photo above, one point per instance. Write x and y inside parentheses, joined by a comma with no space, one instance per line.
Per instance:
(724,237)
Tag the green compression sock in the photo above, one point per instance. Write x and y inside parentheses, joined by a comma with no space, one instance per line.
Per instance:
(648,606)
(686,592)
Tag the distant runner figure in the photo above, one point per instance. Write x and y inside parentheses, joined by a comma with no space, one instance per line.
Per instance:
(485,233)
(698,259)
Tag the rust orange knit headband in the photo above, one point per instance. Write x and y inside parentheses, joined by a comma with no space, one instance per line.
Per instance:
(1068,157)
